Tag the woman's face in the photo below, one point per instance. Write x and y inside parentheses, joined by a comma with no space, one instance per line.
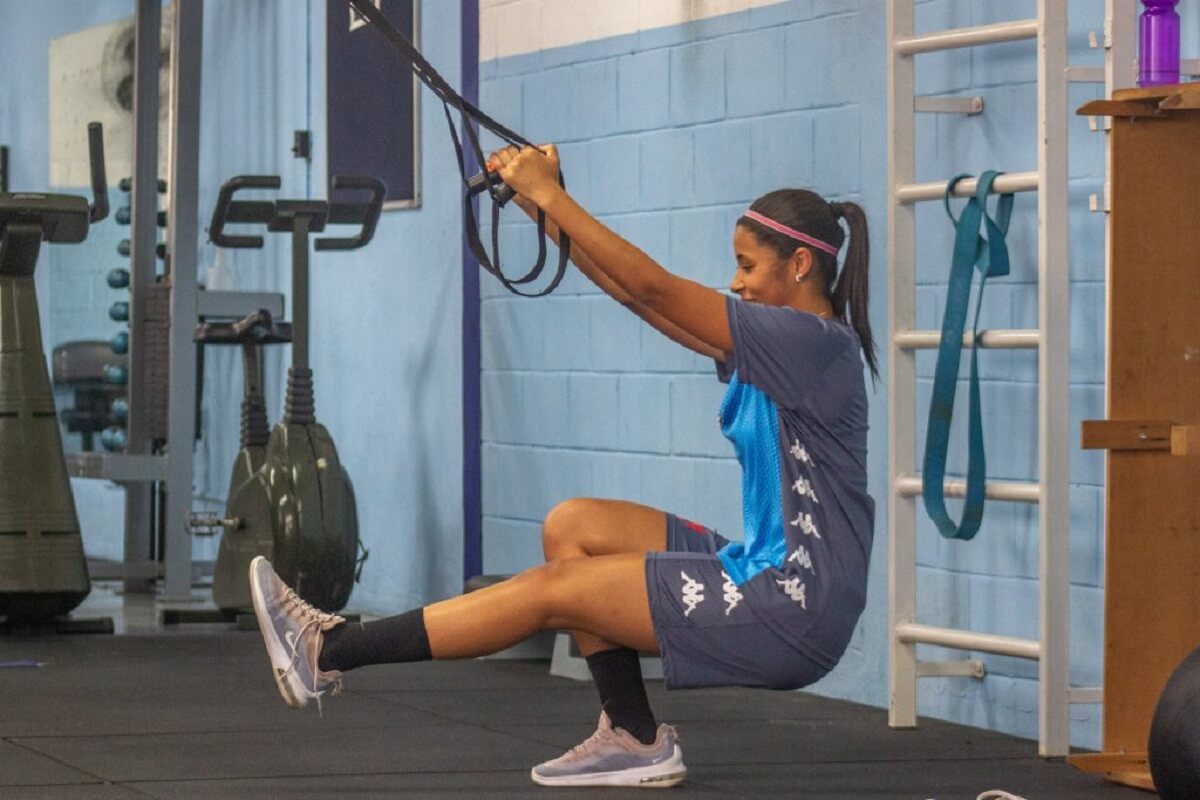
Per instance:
(761,276)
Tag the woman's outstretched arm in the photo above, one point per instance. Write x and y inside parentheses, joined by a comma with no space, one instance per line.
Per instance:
(588,267)
(696,309)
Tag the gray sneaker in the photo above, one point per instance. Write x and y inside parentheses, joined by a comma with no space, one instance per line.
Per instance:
(613,757)
(293,631)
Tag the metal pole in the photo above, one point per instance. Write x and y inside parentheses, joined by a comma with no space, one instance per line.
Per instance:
(969,640)
(935,190)
(143,237)
(901,380)
(472,412)
(183,184)
(300,291)
(1054,441)
(966,37)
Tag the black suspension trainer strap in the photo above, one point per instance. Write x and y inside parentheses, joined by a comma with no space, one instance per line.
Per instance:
(496,189)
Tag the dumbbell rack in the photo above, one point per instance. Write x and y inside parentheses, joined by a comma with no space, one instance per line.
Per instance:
(163,401)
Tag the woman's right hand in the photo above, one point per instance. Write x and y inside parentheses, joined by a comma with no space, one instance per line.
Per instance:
(531,172)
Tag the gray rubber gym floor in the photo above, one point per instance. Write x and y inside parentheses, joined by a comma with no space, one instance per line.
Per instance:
(193,713)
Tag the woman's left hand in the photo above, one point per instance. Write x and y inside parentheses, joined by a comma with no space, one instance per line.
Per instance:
(532,172)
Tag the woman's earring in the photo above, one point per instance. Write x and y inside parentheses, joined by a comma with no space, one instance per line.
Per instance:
(799,277)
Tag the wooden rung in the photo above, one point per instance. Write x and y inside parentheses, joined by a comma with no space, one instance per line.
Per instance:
(1123,434)
(968,668)
(1185,440)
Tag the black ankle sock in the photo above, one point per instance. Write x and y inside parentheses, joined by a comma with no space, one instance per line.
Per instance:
(384,641)
(618,677)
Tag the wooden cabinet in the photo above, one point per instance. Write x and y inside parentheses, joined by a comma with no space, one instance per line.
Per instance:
(1152,557)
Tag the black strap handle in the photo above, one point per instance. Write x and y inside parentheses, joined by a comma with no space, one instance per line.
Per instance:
(490,182)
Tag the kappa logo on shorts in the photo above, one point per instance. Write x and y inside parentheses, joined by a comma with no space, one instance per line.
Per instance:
(692,593)
(794,588)
(732,595)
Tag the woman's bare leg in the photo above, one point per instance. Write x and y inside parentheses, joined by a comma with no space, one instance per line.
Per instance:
(604,596)
(586,526)
(593,527)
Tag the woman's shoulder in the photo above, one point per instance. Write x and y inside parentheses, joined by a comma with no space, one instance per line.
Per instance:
(793,318)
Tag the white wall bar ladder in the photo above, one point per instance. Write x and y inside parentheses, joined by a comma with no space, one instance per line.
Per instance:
(1051,491)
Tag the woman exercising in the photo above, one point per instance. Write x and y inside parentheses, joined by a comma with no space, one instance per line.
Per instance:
(775,610)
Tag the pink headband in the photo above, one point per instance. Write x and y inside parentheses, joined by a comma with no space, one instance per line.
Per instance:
(786,231)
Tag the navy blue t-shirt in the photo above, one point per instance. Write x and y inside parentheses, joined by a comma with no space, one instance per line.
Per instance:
(796,413)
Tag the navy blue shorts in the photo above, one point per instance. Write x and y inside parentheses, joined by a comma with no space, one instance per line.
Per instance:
(711,632)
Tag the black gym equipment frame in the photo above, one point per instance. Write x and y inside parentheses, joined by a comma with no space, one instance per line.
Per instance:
(296,504)
(43,570)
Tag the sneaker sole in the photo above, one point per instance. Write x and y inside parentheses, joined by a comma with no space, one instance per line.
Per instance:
(294,696)
(659,776)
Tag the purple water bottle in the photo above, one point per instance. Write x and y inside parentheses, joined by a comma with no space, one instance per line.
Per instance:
(1158,43)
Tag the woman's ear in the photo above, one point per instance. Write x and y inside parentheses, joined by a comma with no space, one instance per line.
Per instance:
(802,261)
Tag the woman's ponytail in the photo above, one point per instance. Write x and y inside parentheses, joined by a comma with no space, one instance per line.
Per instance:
(850,294)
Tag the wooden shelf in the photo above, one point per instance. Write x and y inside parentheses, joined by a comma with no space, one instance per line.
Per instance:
(1152,101)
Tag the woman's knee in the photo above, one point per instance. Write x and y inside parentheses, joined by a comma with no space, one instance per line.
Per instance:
(603,596)
(589,526)
(563,529)
(547,586)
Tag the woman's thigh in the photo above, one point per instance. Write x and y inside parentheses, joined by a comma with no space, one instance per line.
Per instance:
(586,526)
(606,596)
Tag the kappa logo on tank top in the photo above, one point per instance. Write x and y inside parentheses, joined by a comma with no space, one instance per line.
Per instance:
(800,453)
(804,558)
(693,593)
(804,488)
(805,523)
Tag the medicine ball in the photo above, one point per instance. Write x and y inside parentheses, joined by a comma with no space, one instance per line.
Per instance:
(1174,751)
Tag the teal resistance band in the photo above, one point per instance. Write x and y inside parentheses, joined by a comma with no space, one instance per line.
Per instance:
(990,257)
